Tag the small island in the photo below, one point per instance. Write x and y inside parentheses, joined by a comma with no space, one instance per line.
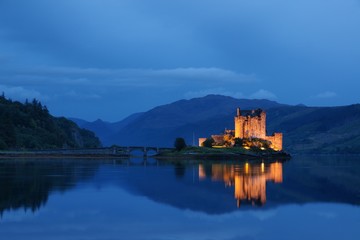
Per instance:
(224,153)
(248,140)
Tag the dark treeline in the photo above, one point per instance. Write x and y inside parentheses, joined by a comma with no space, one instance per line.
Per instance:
(29,125)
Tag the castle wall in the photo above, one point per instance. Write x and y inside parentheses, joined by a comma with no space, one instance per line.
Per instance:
(218,139)
(276,141)
(201,141)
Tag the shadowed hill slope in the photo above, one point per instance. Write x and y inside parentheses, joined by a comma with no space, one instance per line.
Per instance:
(318,129)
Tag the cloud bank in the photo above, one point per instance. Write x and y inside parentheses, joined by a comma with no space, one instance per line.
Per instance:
(134,54)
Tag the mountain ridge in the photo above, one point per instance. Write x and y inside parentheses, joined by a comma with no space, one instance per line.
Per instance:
(104,129)
(306,129)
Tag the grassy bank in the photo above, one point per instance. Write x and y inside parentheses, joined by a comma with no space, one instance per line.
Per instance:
(223,153)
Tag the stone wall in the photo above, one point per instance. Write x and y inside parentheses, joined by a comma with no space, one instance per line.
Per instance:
(276,141)
(218,139)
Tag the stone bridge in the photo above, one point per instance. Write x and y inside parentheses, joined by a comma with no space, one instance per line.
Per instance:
(145,150)
(121,151)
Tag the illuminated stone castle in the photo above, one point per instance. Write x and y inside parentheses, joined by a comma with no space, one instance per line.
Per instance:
(248,125)
(252,124)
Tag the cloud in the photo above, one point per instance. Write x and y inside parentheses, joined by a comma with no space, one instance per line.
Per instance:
(327,94)
(21,93)
(124,77)
(260,94)
(167,44)
(263,94)
(79,95)
(221,91)
(207,74)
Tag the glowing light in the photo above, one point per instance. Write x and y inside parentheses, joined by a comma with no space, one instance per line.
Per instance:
(248,185)
(262,148)
(218,146)
(246,147)
(247,168)
(202,174)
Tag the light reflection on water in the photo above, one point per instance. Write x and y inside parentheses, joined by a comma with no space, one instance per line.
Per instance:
(248,180)
(306,197)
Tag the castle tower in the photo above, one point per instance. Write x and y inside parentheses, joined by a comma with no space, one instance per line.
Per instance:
(262,132)
(239,124)
(253,124)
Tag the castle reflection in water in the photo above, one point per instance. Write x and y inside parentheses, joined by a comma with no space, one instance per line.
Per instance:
(249,180)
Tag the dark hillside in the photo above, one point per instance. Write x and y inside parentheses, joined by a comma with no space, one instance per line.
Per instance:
(325,130)
(30,126)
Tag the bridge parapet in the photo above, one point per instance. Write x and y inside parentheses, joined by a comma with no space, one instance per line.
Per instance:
(145,150)
(122,151)
(160,150)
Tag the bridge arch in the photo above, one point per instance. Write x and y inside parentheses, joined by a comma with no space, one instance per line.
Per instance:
(145,151)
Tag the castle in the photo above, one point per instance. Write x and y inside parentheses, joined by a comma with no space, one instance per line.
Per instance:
(248,125)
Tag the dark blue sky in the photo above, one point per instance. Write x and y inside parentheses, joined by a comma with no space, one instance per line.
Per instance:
(109,58)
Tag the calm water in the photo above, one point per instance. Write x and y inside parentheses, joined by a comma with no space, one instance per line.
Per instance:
(308,197)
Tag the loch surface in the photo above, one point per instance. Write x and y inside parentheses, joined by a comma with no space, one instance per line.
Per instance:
(307,197)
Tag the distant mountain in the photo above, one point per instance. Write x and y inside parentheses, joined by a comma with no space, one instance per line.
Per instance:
(306,129)
(104,130)
(101,128)
(318,129)
(30,126)
(185,118)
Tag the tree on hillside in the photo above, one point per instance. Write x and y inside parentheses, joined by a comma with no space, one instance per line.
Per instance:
(179,144)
